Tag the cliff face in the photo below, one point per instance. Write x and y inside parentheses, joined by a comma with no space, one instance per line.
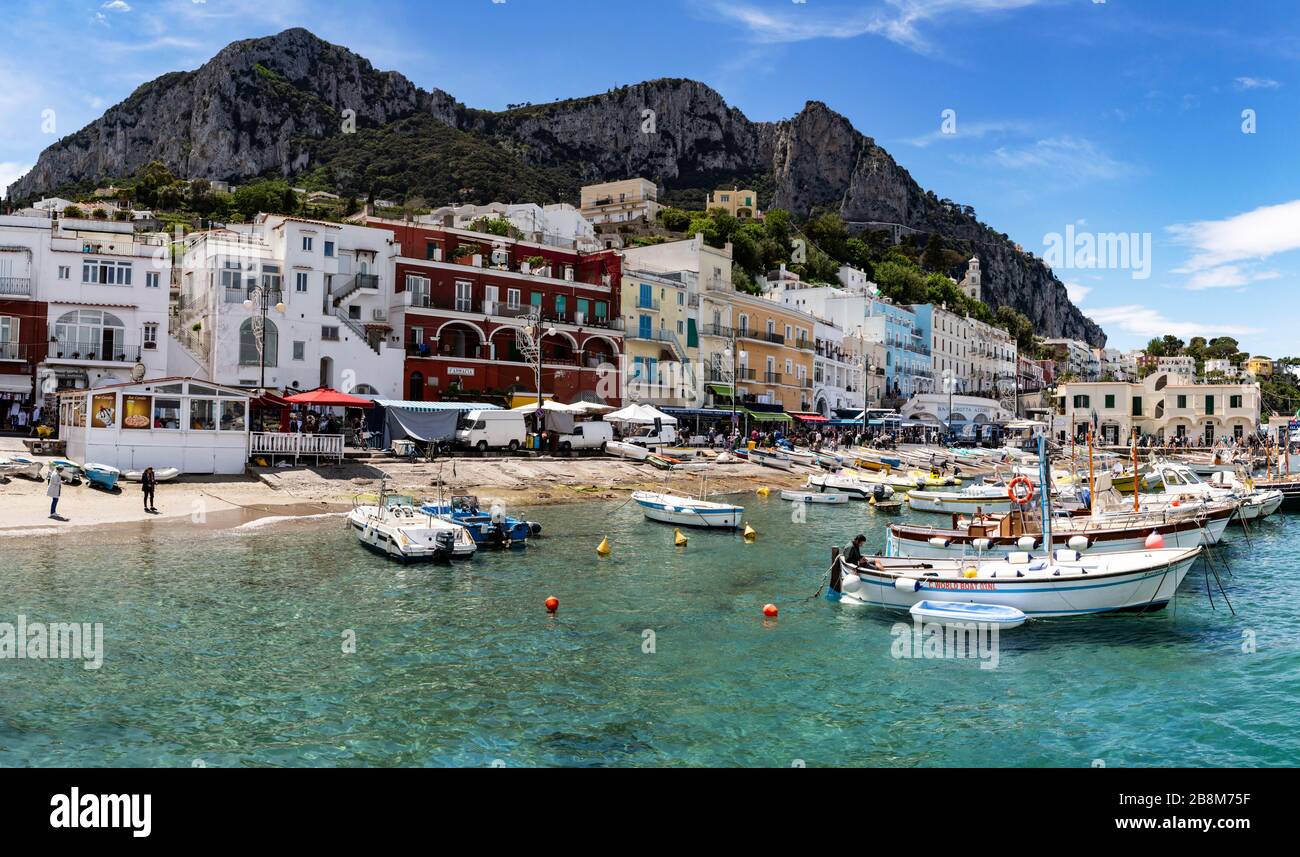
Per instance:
(268,105)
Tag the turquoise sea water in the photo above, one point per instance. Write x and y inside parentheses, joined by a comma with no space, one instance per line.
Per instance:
(225,649)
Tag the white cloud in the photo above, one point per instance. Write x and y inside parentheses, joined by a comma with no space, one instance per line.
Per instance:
(1147,322)
(10,172)
(970,131)
(1227,277)
(1069,158)
(117,6)
(896,20)
(1257,234)
(1078,292)
(1257,83)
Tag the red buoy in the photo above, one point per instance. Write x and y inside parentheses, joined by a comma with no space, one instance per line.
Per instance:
(552,604)
(770,611)
(1155,541)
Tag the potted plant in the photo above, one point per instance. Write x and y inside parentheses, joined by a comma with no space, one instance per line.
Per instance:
(464,254)
(197,327)
(536,263)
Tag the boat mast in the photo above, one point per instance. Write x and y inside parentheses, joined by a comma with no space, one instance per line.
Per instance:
(1137,481)
(1045,501)
(1092,485)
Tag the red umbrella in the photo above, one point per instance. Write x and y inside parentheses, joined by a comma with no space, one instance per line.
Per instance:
(324,397)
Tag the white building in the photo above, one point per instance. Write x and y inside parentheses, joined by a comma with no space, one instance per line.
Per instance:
(1223,367)
(1163,405)
(1074,358)
(106,296)
(559,225)
(950,348)
(1183,368)
(992,357)
(972,284)
(327,289)
(1117,365)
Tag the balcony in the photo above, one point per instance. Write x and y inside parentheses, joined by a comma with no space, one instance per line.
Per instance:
(743,374)
(14,351)
(772,378)
(497,309)
(717,330)
(806,384)
(648,303)
(16,286)
(70,351)
(773,338)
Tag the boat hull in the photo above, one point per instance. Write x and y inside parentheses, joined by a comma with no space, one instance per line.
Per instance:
(814,497)
(632,452)
(948,504)
(1039,594)
(683,512)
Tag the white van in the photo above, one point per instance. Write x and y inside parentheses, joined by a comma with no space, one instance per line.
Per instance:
(484,430)
(592,435)
(652,437)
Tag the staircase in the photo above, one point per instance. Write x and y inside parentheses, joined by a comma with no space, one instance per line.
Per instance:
(358,282)
(357,328)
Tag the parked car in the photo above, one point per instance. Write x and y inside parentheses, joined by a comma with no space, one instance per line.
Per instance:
(592,435)
(484,430)
(654,436)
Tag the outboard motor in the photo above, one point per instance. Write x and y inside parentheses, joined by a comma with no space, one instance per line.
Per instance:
(879,493)
(446,542)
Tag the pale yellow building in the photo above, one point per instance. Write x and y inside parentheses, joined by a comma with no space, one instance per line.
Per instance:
(621,201)
(737,203)
(661,341)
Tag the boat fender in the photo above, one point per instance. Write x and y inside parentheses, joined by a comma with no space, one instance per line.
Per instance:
(907,584)
(981,544)
(939,542)
(1027,543)
(1079,543)
(1067,556)
(851,583)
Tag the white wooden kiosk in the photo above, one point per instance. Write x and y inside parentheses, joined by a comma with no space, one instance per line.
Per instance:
(195,426)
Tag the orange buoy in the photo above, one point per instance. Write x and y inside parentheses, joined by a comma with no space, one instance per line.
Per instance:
(552,604)
(1155,541)
(770,611)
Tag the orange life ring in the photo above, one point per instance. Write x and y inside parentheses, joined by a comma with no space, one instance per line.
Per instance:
(1018,497)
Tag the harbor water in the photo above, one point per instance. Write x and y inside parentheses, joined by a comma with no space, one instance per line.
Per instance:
(236,649)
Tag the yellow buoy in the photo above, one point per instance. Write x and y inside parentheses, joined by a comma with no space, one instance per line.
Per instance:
(970,573)
(763,492)
(750,533)
(680,540)
(603,548)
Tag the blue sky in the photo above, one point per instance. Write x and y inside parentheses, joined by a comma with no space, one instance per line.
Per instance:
(1124,116)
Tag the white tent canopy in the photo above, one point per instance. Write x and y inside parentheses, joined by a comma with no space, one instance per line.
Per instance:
(641,414)
(551,405)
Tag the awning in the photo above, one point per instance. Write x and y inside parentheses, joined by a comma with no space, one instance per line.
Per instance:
(327,398)
(16,384)
(768,416)
(719,389)
(461,407)
(810,418)
(424,426)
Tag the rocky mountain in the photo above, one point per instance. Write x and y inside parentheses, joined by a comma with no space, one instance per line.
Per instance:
(281,105)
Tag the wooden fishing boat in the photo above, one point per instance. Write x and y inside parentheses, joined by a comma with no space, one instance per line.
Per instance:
(771,458)
(985,498)
(839,483)
(813,497)
(688,511)
(101,476)
(24,466)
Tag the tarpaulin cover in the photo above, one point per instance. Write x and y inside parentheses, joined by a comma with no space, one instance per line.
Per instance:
(424,426)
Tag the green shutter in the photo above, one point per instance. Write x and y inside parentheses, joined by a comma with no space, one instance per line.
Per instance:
(692,335)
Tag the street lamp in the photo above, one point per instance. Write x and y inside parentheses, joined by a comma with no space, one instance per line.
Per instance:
(260,298)
(949,382)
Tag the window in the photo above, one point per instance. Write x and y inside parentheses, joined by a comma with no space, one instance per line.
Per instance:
(203,415)
(1081,402)
(354,312)
(1182,402)
(249,352)
(535,301)
(89,333)
(329,249)
(300,281)
(512,298)
(329,334)
(300,350)
(1209,405)
(151,279)
(65,272)
(1137,406)
(232,276)
(307,243)
(271,277)
(561,306)
(167,413)
(106,273)
(643,327)
(419,289)
(232,416)
(1234,402)
(431,250)
(681,298)
(464,296)
(151,337)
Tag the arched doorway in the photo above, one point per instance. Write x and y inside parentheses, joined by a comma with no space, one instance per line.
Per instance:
(416,393)
(327,371)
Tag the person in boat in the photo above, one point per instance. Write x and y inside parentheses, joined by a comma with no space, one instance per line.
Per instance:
(149,483)
(853,551)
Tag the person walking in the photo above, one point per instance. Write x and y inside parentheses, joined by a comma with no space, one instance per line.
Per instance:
(149,482)
(54,487)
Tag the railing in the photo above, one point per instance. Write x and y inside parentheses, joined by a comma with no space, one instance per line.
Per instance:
(647,303)
(239,295)
(14,351)
(94,352)
(15,286)
(360,281)
(666,336)
(804,344)
(772,378)
(743,374)
(806,384)
(317,446)
(356,327)
(717,330)
(420,300)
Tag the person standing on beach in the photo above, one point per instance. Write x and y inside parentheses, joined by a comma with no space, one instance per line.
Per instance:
(149,482)
(54,488)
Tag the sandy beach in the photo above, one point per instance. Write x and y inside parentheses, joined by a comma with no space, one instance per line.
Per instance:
(273,495)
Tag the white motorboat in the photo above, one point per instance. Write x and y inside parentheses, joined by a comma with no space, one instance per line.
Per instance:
(1066,583)
(687,511)
(814,497)
(631,451)
(983,498)
(771,458)
(397,529)
(964,615)
(806,457)
(853,486)
(160,474)
(21,465)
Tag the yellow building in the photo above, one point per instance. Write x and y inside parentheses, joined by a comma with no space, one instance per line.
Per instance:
(776,350)
(620,201)
(661,340)
(737,203)
(1259,366)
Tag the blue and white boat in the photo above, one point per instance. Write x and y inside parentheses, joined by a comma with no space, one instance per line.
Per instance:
(493,528)
(69,471)
(101,476)
(688,512)
(956,613)
(21,465)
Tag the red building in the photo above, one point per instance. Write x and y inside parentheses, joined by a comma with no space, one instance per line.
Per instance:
(466,295)
(24,335)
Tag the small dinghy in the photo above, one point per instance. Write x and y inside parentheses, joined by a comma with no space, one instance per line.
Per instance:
(814,497)
(631,451)
(957,613)
(160,474)
(102,476)
(69,471)
(771,458)
(21,465)
(688,511)
(887,507)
